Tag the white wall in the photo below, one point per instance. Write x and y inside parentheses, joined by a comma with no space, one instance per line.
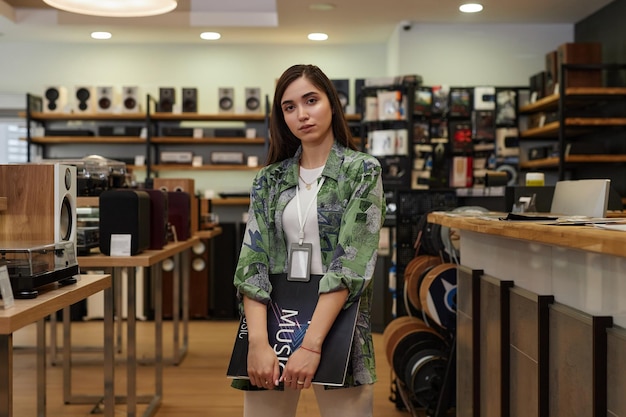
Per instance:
(469,55)
(31,67)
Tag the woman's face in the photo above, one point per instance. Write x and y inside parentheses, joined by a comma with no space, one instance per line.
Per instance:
(307,112)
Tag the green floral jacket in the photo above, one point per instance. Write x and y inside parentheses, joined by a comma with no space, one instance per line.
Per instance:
(350,213)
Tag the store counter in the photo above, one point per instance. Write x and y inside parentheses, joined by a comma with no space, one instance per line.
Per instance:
(541,312)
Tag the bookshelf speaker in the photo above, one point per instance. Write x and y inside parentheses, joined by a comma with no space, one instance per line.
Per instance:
(226,99)
(84,99)
(105,99)
(190,100)
(55,100)
(130,99)
(41,202)
(253,99)
(167,99)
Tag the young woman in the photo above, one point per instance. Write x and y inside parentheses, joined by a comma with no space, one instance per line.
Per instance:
(311,163)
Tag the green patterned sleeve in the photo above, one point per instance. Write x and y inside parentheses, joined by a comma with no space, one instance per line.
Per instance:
(251,274)
(355,254)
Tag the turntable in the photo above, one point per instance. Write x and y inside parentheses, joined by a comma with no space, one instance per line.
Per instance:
(34,264)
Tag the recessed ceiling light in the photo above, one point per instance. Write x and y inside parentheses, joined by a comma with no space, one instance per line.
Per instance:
(210,36)
(471,7)
(322,7)
(317,36)
(101,35)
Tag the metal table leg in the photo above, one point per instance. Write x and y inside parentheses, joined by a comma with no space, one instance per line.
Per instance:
(108,361)
(41,368)
(180,282)
(6,375)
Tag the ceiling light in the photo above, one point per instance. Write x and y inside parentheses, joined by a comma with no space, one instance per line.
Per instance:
(101,35)
(210,36)
(471,7)
(115,8)
(317,36)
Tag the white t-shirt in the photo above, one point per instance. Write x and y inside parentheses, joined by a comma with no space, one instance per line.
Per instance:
(311,228)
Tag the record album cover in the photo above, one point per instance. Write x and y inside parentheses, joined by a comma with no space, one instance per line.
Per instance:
(289,313)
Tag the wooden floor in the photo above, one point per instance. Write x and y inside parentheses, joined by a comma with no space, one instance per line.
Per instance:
(196,387)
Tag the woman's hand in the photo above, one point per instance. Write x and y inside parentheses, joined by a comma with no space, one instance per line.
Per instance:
(263,368)
(300,369)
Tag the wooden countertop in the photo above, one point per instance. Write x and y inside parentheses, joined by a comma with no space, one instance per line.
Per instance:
(145,259)
(51,298)
(587,238)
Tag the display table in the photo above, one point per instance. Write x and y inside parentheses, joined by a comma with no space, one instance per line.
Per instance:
(149,259)
(51,299)
(535,308)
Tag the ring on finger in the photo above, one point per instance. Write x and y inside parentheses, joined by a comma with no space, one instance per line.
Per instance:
(300,382)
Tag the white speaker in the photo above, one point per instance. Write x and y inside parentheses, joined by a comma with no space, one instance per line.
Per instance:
(130,99)
(55,99)
(65,203)
(84,99)
(253,100)
(226,99)
(105,99)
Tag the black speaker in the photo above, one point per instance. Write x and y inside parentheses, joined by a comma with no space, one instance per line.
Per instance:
(167,99)
(343,91)
(125,212)
(55,100)
(158,218)
(226,249)
(84,99)
(359,98)
(190,100)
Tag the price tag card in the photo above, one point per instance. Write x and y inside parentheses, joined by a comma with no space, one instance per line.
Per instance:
(5,288)
(120,245)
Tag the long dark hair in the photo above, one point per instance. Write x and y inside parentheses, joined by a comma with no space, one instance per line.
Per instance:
(283,143)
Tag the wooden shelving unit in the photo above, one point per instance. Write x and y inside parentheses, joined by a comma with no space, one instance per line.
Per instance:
(58,140)
(583,112)
(207,141)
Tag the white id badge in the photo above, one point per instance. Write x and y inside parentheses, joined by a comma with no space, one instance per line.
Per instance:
(300,262)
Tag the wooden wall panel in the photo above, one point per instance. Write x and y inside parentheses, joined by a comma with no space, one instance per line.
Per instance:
(577,363)
(616,372)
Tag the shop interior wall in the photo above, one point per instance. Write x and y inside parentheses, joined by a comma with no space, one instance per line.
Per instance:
(606,26)
(464,55)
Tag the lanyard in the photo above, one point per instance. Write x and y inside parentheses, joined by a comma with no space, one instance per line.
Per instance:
(302,221)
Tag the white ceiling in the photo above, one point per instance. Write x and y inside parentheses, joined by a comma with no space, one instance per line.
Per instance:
(277,21)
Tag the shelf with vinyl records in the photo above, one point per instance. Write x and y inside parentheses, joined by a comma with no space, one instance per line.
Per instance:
(387,130)
(579,129)
(461,133)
